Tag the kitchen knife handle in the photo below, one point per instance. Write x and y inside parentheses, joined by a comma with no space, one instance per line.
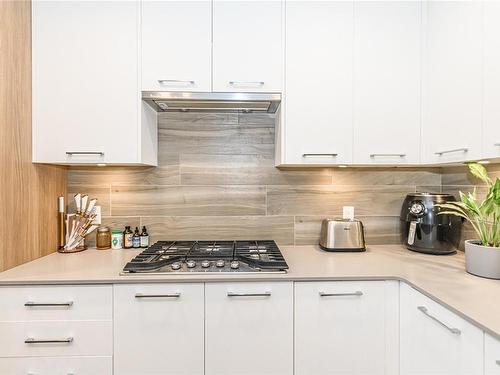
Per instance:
(166,81)
(264,294)
(357,293)
(453,330)
(31,340)
(462,149)
(319,155)
(171,295)
(48,304)
(71,153)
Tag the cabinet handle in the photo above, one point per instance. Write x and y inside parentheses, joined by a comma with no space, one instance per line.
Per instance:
(463,149)
(31,340)
(453,330)
(356,293)
(253,83)
(233,294)
(319,155)
(172,295)
(166,81)
(497,362)
(43,304)
(387,155)
(71,153)
(497,144)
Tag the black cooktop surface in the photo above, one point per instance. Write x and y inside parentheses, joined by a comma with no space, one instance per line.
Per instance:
(209,256)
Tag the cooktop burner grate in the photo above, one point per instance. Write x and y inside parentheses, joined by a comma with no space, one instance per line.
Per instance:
(209,256)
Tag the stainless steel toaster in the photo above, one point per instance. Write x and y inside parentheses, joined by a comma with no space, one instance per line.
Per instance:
(342,235)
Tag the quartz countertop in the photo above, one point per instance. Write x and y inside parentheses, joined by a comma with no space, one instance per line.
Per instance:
(442,278)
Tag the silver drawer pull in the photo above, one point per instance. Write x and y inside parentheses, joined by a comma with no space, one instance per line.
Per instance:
(462,149)
(71,153)
(453,330)
(48,304)
(31,340)
(387,155)
(233,294)
(319,155)
(166,81)
(356,293)
(498,362)
(253,83)
(172,295)
(497,144)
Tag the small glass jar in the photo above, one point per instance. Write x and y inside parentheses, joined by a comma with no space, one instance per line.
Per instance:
(116,239)
(103,238)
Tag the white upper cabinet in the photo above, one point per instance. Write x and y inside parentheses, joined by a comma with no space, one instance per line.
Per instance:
(452,81)
(387,53)
(86,98)
(318,97)
(247,46)
(491,117)
(436,341)
(176,45)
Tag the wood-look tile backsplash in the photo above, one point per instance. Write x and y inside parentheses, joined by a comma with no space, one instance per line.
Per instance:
(216,180)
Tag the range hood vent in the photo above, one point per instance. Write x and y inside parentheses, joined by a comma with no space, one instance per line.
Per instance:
(167,101)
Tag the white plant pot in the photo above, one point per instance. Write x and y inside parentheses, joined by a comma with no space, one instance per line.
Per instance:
(482,260)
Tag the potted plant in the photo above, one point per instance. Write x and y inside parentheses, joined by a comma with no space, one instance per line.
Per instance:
(482,256)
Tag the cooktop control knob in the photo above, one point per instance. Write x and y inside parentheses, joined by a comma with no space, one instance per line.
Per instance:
(220,263)
(235,264)
(176,266)
(205,264)
(191,263)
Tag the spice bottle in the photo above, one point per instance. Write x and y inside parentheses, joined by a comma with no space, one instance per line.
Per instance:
(144,238)
(136,239)
(103,238)
(127,238)
(116,239)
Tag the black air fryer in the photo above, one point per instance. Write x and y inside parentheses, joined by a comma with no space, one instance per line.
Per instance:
(423,230)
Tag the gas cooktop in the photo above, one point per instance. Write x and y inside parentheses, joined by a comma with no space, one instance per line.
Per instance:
(208,256)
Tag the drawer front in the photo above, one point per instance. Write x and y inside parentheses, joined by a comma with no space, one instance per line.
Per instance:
(57,366)
(58,338)
(56,303)
(491,355)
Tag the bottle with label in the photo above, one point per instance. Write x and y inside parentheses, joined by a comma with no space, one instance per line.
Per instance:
(127,238)
(144,238)
(136,238)
(116,239)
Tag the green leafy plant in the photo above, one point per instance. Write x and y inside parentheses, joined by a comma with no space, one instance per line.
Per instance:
(484,216)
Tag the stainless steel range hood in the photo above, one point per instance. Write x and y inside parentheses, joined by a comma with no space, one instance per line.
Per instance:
(168,101)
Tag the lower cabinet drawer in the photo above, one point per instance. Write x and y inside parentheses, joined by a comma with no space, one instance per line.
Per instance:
(56,338)
(491,355)
(57,366)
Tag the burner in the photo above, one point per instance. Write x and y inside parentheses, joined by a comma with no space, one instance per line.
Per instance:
(208,256)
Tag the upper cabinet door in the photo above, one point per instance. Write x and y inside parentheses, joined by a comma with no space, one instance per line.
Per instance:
(85,82)
(452,106)
(176,45)
(491,80)
(247,46)
(387,82)
(318,99)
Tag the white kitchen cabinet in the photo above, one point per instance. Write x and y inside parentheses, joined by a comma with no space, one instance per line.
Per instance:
(491,355)
(491,80)
(249,328)
(317,122)
(346,327)
(85,91)
(435,340)
(57,366)
(159,329)
(176,45)
(387,81)
(452,81)
(247,46)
